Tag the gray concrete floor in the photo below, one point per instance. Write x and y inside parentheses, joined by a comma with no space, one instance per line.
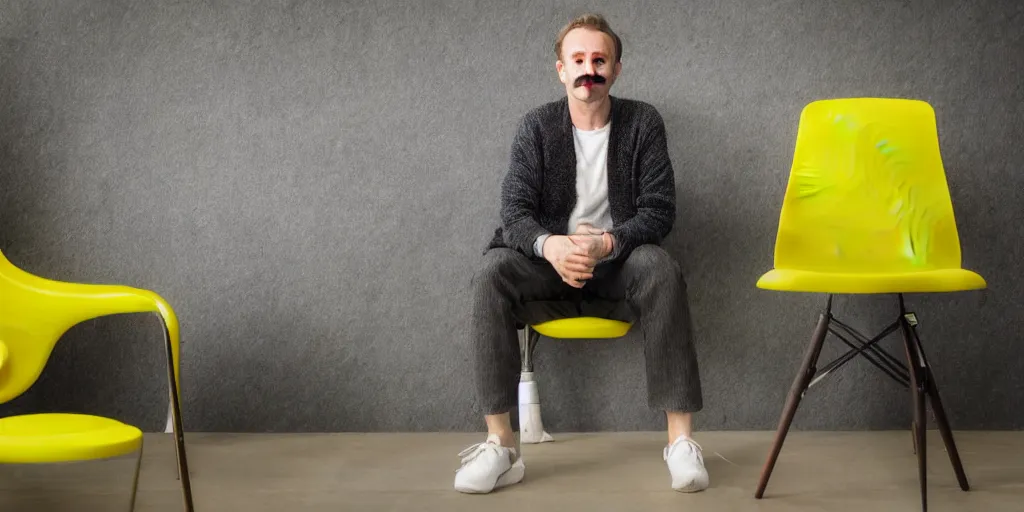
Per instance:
(834,471)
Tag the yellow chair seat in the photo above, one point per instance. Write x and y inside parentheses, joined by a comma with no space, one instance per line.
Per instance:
(943,280)
(584,327)
(48,438)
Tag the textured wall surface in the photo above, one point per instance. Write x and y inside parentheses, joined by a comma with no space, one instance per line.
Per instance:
(311,183)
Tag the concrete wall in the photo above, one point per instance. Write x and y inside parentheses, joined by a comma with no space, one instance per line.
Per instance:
(310,184)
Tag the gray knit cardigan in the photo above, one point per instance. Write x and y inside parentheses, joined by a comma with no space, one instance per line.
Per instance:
(538,192)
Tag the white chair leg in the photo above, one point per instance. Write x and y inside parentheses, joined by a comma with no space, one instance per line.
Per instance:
(169,428)
(531,427)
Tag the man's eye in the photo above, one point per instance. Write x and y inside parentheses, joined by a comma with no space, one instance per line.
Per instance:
(598,61)
(579,61)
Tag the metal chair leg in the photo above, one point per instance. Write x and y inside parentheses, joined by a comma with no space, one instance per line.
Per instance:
(179,436)
(135,478)
(531,426)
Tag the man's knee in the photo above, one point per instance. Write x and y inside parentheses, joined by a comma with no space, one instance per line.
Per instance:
(652,258)
(653,263)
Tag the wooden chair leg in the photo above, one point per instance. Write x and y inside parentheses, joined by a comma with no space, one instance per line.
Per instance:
(918,383)
(913,434)
(931,390)
(946,432)
(803,378)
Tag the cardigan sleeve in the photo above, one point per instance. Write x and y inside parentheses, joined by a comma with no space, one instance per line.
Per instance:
(521,189)
(656,194)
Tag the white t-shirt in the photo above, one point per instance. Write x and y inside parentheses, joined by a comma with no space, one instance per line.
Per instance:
(591,183)
(591,179)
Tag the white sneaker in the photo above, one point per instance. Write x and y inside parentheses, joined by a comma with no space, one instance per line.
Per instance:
(487,466)
(686,464)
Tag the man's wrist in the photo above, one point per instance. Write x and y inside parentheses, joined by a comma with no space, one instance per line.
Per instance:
(609,243)
(538,245)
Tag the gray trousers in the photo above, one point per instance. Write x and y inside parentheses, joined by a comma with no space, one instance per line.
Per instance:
(647,288)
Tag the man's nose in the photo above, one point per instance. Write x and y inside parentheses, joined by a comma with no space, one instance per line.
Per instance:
(588,68)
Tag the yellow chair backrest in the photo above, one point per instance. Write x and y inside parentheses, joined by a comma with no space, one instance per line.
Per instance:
(867,191)
(35,312)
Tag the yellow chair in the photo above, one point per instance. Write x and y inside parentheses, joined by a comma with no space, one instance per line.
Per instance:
(867,211)
(531,427)
(35,313)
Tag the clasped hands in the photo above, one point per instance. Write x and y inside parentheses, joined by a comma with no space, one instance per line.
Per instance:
(575,256)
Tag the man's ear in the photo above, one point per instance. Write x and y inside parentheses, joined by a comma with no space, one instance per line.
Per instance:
(560,69)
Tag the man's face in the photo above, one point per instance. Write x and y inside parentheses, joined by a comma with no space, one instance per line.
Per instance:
(587,68)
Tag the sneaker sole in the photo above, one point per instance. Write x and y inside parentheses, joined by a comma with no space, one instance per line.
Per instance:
(690,488)
(693,486)
(514,475)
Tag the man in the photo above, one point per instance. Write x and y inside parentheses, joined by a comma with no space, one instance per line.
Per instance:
(588,196)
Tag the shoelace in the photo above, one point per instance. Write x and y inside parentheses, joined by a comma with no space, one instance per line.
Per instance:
(691,445)
(474,451)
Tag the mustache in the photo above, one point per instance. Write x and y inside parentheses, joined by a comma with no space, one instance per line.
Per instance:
(597,79)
